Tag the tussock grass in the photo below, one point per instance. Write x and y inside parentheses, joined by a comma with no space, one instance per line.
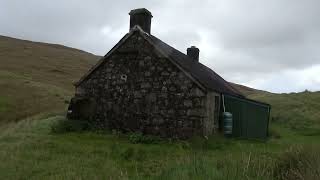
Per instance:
(32,151)
(298,163)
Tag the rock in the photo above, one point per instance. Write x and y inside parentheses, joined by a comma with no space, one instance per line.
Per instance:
(165,73)
(164,89)
(187,103)
(151,98)
(163,95)
(155,84)
(158,120)
(108,75)
(172,88)
(195,112)
(171,111)
(147,74)
(145,85)
(181,112)
(147,58)
(137,94)
(141,63)
(108,70)
(197,102)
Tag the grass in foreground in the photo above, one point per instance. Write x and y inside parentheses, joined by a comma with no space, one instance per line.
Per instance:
(29,150)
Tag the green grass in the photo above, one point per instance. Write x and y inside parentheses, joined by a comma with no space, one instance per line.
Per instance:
(31,151)
(21,97)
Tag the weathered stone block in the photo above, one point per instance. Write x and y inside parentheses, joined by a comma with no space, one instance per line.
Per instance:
(141,63)
(158,120)
(163,95)
(137,94)
(108,70)
(165,73)
(172,88)
(151,98)
(187,103)
(145,85)
(195,112)
(148,58)
(147,74)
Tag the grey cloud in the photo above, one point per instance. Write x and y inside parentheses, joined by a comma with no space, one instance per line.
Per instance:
(245,41)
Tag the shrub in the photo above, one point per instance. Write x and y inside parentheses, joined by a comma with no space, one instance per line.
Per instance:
(143,139)
(65,125)
(127,153)
(212,143)
(274,134)
(298,163)
(115,132)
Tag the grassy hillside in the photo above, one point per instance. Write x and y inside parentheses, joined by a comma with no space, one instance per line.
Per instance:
(37,77)
(299,111)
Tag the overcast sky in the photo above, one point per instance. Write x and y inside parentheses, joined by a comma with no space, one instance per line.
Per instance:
(266,44)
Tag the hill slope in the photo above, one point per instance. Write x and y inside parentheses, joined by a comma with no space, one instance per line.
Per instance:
(37,77)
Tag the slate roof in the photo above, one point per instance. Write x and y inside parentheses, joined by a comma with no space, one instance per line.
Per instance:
(207,77)
(204,75)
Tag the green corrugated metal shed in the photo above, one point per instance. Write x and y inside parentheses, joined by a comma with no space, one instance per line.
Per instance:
(250,118)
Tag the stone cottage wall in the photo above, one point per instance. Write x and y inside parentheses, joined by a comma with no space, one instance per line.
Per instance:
(137,89)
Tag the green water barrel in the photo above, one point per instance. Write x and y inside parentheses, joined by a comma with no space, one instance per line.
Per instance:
(227,123)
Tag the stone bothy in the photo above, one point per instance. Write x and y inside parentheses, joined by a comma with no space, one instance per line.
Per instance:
(143,84)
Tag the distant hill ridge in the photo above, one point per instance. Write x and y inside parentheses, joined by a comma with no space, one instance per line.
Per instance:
(58,46)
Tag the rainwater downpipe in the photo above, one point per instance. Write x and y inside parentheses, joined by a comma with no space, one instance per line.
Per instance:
(224,108)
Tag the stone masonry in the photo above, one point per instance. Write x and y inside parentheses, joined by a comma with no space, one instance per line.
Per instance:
(137,89)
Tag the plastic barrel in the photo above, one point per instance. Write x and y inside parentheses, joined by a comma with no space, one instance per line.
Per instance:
(227,123)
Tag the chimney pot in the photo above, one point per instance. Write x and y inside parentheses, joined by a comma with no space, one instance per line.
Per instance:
(193,53)
(141,17)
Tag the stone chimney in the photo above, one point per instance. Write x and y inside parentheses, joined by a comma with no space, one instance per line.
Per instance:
(193,53)
(141,17)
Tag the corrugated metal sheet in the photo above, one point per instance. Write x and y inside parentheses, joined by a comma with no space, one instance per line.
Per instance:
(250,118)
